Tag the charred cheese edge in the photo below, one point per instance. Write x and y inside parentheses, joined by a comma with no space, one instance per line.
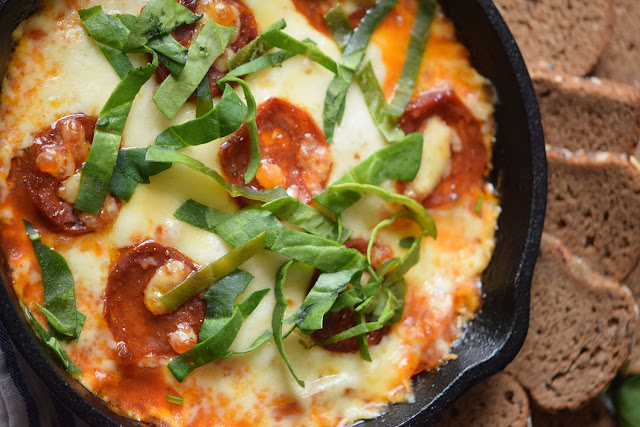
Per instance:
(58,70)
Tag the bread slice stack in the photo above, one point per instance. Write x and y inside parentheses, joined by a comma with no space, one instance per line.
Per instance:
(584,60)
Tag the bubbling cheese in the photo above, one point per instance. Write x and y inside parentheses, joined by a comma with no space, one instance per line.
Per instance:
(57,69)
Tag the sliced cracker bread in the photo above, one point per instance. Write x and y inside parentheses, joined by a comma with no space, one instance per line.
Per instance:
(580,333)
(587,113)
(593,414)
(633,283)
(497,402)
(620,61)
(568,34)
(593,207)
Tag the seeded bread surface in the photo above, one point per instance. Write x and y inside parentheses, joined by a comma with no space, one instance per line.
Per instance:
(580,332)
(497,402)
(568,34)
(587,113)
(593,207)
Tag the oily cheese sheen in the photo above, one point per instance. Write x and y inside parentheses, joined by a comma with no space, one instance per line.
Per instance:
(58,70)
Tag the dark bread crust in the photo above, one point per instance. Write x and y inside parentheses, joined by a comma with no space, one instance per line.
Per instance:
(498,401)
(593,203)
(580,332)
(587,113)
(568,34)
(593,414)
(633,283)
(620,61)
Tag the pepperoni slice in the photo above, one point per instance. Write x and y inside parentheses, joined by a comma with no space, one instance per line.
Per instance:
(48,173)
(138,332)
(334,323)
(468,153)
(294,152)
(225,12)
(314,11)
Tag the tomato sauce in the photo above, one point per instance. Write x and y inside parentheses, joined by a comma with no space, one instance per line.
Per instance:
(294,152)
(468,155)
(138,332)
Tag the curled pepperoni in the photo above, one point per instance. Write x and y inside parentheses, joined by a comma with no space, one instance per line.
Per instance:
(468,151)
(294,152)
(138,332)
(230,13)
(48,173)
(334,323)
(314,11)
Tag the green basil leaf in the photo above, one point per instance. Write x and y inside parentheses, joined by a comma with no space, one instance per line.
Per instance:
(216,346)
(100,28)
(224,119)
(418,213)
(283,41)
(398,161)
(363,344)
(265,61)
(158,17)
(417,45)
(304,216)
(204,98)
(174,399)
(132,169)
(353,297)
(278,316)
(217,270)
(479,204)
(58,288)
(200,215)
(352,56)
(626,397)
(98,169)
(381,225)
(321,298)
(220,299)
(252,128)
(171,53)
(254,49)
(208,45)
(407,242)
(164,155)
(53,344)
(409,260)
(263,338)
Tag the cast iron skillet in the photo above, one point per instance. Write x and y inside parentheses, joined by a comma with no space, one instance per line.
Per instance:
(494,338)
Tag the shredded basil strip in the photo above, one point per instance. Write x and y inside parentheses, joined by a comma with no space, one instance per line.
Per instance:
(204,98)
(98,169)
(283,41)
(222,120)
(409,260)
(158,17)
(352,56)
(321,298)
(174,399)
(278,316)
(163,155)
(132,169)
(381,225)
(101,29)
(417,44)
(255,48)
(263,338)
(220,299)
(252,128)
(265,61)
(208,45)
(363,344)
(216,346)
(53,344)
(479,204)
(397,161)
(407,242)
(365,77)
(171,53)
(419,213)
(217,270)
(58,288)
(304,216)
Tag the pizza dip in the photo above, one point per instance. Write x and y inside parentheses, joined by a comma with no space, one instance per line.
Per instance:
(246,212)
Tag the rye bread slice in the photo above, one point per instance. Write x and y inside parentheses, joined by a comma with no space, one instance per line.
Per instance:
(620,61)
(633,283)
(587,113)
(593,207)
(497,402)
(593,414)
(568,34)
(580,331)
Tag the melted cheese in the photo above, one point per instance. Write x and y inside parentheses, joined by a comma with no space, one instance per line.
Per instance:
(58,70)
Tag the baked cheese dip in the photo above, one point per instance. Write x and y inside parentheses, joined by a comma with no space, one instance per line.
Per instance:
(246,212)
